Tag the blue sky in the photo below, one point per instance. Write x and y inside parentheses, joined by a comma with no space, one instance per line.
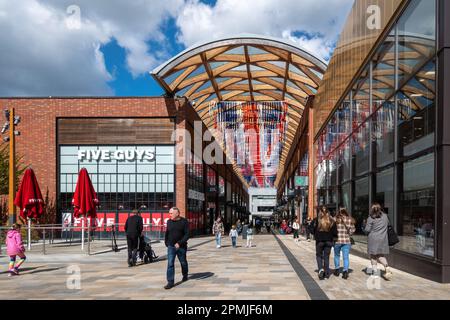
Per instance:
(117,43)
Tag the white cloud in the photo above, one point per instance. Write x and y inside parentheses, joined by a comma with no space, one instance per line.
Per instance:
(320,20)
(40,55)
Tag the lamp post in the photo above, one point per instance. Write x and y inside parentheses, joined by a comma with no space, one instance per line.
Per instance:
(12,122)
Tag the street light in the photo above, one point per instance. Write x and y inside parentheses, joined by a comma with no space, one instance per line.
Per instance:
(12,122)
(5,127)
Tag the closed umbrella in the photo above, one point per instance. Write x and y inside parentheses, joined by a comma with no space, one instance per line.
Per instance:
(29,200)
(84,200)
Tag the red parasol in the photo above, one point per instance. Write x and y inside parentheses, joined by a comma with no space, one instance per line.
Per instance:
(29,197)
(85,199)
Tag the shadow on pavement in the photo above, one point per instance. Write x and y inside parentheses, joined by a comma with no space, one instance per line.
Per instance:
(33,270)
(200,275)
(44,270)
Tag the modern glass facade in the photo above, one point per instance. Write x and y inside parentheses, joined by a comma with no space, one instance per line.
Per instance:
(196,195)
(380,143)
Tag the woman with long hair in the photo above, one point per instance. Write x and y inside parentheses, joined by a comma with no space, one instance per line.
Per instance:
(324,232)
(345,229)
(377,242)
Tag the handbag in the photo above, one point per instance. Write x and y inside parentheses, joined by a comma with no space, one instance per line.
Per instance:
(352,241)
(392,236)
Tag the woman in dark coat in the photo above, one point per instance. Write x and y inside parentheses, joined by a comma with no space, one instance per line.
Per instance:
(325,231)
(377,242)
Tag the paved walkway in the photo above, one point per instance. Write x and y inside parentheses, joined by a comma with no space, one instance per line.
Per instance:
(275,268)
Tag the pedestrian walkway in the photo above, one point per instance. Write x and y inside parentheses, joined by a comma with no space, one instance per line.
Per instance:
(275,268)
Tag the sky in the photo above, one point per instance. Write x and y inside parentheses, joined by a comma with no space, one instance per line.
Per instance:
(108,47)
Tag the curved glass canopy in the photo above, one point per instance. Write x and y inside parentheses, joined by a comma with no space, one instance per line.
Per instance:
(245,69)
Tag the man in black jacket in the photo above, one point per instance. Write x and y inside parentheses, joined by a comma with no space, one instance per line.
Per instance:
(133,228)
(177,235)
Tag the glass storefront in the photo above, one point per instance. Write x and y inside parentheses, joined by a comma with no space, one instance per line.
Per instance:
(416,209)
(382,135)
(196,195)
(123,178)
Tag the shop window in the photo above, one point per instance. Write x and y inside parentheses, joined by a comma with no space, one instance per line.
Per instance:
(361,99)
(361,206)
(416,36)
(383,134)
(416,222)
(416,107)
(383,74)
(343,119)
(385,191)
(361,150)
(344,196)
(344,158)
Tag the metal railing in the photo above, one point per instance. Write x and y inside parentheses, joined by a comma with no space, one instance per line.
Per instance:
(57,239)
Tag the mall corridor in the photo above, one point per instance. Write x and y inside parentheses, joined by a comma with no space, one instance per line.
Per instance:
(275,268)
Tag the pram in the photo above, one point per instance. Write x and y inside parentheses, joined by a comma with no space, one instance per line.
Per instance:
(146,253)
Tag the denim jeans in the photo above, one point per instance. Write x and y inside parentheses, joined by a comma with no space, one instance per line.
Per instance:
(219,239)
(345,253)
(181,254)
(233,241)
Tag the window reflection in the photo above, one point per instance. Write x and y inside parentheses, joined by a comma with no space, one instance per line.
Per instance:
(383,134)
(385,191)
(361,99)
(417,36)
(383,74)
(416,210)
(344,158)
(416,112)
(361,206)
(360,150)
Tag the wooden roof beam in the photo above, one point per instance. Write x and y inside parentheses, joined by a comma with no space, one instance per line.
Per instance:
(212,79)
(249,74)
(286,74)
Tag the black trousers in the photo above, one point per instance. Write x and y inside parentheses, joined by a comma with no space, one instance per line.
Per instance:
(132,243)
(308,233)
(323,250)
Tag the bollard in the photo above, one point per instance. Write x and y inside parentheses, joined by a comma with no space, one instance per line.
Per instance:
(43,247)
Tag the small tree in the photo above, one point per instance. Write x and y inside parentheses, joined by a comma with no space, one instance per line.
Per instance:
(4,169)
(49,216)
(3,212)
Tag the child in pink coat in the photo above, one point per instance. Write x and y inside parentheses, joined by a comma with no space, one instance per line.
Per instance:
(14,248)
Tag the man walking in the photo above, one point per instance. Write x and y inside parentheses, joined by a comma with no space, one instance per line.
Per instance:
(133,228)
(177,235)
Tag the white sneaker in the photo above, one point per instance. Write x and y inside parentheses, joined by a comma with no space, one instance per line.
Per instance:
(218,247)
(388,274)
